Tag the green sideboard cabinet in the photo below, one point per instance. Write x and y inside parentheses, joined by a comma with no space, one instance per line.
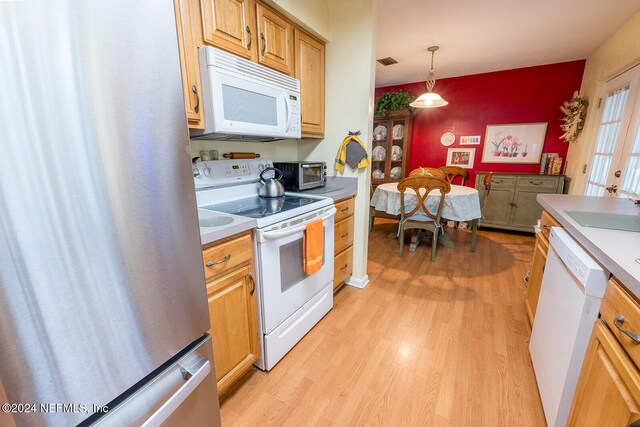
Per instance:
(512,201)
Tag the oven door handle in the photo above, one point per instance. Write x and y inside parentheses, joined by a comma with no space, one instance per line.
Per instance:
(274,235)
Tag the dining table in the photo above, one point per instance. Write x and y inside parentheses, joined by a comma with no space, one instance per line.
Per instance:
(461,204)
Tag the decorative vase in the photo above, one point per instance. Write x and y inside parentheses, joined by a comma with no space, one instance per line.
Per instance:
(524,154)
(497,153)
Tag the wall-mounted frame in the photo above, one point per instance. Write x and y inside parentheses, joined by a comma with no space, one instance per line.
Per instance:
(462,157)
(470,140)
(514,143)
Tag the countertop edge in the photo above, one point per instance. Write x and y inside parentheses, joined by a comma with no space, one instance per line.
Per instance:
(219,233)
(627,279)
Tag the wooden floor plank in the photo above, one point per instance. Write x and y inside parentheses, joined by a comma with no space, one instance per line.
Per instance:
(425,343)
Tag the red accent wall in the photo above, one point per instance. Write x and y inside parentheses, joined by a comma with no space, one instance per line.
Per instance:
(523,95)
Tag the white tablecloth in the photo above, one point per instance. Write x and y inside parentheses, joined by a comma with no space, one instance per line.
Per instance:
(460,204)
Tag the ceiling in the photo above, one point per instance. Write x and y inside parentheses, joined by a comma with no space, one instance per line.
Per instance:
(482,36)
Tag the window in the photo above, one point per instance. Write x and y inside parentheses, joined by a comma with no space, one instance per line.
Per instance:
(616,155)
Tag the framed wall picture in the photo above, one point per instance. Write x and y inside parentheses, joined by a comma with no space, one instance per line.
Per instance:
(514,143)
(462,157)
(470,140)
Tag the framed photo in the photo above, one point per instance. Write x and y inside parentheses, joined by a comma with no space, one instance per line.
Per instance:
(514,143)
(470,140)
(462,157)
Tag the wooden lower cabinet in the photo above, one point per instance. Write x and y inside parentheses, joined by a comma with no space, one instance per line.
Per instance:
(232,296)
(608,391)
(538,262)
(535,276)
(343,241)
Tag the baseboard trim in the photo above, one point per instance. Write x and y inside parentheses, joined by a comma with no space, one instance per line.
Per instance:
(358,283)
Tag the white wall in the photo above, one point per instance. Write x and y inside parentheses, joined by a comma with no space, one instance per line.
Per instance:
(617,54)
(313,15)
(277,150)
(350,80)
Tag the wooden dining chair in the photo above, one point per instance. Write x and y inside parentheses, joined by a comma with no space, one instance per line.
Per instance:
(452,172)
(420,217)
(484,196)
(432,172)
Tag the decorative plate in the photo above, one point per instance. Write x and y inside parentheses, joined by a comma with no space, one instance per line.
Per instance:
(398,131)
(378,174)
(396,153)
(396,173)
(378,153)
(380,133)
(447,139)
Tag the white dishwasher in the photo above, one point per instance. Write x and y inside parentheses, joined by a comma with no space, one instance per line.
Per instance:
(572,288)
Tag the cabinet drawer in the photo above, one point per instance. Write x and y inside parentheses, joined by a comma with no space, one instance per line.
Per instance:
(537,182)
(222,257)
(343,235)
(617,302)
(546,222)
(503,181)
(342,266)
(344,209)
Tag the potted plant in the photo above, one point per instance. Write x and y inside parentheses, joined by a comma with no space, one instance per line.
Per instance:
(393,101)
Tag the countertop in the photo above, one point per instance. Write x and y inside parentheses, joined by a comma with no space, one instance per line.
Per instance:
(337,188)
(615,250)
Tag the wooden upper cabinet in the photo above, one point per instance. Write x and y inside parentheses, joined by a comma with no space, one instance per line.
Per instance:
(189,37)
(275,40)
(309,69)
(230,25)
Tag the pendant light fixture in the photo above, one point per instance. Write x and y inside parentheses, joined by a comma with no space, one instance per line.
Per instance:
(430,99)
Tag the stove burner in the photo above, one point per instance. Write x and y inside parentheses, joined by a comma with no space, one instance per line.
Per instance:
(261,207)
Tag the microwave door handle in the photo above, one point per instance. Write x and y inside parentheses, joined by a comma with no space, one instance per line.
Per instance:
(288,106)
(274,235)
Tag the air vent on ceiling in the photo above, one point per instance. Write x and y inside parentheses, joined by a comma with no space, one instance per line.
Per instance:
(387,61)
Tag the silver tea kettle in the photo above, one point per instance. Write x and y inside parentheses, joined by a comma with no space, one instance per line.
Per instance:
(271,187)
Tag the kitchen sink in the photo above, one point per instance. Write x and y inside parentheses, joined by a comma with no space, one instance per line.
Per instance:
(208,219)
(611,221)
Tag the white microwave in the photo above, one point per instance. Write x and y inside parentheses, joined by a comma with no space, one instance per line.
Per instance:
(246,101)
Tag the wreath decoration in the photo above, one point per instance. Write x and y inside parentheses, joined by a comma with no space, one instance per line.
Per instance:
(575,111)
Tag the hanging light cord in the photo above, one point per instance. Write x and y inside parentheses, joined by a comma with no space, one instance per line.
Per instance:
(431,80)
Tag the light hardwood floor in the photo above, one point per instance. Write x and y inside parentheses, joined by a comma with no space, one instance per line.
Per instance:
(442,343)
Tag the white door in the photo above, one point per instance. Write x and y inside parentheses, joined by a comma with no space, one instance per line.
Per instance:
(615,164)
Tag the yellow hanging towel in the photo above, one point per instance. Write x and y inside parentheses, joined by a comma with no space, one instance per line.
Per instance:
(352,152)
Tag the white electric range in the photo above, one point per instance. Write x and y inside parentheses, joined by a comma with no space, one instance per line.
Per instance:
(290,301)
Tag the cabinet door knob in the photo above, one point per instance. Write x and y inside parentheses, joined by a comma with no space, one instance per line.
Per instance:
(264,44)
(536,182)
(194,89)
(253,284)
(250,38)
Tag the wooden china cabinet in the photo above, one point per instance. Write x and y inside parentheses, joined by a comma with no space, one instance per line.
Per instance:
(391,144)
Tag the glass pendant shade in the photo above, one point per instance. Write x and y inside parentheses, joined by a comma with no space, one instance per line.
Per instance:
(429,100)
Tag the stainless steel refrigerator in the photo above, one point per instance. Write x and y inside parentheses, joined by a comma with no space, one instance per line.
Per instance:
(103,307)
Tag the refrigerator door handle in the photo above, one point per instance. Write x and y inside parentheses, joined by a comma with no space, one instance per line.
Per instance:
(193,376)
